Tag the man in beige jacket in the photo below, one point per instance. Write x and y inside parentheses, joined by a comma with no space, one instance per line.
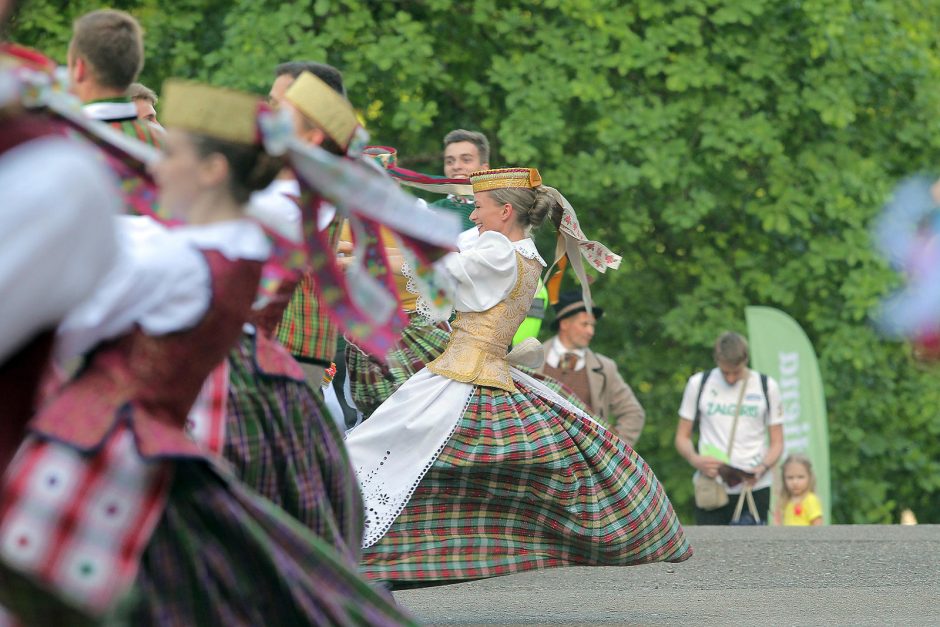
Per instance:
(593,377)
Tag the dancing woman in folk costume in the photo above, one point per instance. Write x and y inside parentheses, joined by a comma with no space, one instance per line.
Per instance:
(278,435)
(372,380)
(110,512)
(473,469)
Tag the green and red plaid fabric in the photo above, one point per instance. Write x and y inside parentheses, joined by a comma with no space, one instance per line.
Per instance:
(559,388)
(282,443)
(138,130)
(372,381)
(222,555)
(305,330)
(525,484)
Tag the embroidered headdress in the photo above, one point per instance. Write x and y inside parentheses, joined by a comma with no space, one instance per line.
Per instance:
(217,112)
(501,178)
(329,110)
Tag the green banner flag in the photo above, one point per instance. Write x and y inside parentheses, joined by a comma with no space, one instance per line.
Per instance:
(779,348)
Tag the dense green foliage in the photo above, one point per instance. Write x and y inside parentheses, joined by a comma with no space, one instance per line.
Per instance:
(734,152)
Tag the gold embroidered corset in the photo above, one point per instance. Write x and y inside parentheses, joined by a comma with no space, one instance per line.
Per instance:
(480,340)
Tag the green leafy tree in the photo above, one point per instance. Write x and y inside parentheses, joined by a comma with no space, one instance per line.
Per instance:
(735,153)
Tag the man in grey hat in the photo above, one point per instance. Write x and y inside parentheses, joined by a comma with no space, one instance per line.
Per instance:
(592,376)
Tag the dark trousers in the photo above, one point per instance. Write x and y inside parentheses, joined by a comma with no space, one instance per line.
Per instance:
(723,515)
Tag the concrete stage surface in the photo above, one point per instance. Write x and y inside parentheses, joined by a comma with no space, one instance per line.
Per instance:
(838,575)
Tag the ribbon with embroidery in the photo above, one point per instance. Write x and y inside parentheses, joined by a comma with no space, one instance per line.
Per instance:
(575,246)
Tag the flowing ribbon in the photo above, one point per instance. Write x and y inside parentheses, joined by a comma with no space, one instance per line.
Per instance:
(387,158)
(576,247)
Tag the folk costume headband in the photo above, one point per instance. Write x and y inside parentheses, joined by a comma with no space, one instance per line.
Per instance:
(330,111)
(217,112)
(501,178)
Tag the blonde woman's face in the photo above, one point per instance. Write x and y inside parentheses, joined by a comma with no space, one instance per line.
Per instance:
(796,478)
(489,215)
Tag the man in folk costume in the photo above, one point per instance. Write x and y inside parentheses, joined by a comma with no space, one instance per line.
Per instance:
(105,56)
(592,376)
(145,99)
(322,117)
(464,152)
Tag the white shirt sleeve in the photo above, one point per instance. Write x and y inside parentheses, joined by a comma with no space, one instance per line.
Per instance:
(776,404)
(276,210)
(484,274)
(159,281)
(687,408)
(56,234)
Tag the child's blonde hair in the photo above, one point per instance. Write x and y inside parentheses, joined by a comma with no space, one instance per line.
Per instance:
(795,458)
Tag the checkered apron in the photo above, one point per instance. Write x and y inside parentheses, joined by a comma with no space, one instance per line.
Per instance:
(523,484)
(371,381)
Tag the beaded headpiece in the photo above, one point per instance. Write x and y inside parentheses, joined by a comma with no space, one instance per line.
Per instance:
(485,180)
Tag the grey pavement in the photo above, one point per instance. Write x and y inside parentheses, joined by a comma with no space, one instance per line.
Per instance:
(838,575)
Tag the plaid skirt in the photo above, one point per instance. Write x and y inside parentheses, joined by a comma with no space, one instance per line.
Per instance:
(557,387)
(282,443)
(524,484)
(371,381)
(221,555)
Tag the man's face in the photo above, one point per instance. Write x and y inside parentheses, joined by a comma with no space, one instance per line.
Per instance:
(577,331)
(461,159)
(145,110)
(732,373)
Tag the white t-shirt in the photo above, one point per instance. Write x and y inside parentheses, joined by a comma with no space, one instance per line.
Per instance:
(717,406)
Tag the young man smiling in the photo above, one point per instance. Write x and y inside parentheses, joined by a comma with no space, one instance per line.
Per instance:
(465,152)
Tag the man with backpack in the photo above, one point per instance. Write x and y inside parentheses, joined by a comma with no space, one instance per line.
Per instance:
(736,409)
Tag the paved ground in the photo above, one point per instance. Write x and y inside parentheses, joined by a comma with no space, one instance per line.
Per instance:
(840,575)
